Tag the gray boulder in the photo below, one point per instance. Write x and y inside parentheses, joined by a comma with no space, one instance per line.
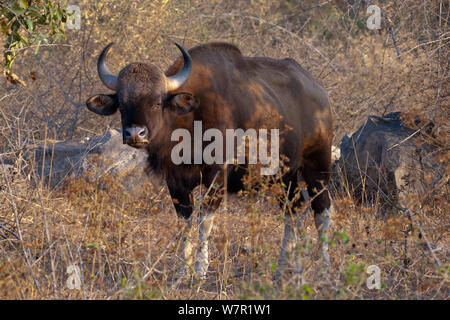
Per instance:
(385,156)
(94,158)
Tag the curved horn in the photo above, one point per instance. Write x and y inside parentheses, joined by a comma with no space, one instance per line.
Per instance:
(177,80)
(107,77)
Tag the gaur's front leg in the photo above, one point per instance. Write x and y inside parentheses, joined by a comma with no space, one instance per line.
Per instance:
(183,206)
(210,201)
(322,222)
(205,224)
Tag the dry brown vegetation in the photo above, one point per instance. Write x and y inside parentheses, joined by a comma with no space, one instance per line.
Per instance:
(126,247)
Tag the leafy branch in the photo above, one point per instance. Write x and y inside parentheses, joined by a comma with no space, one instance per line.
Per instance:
(30,24)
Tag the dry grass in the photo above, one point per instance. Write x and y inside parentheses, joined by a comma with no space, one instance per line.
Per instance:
(126,247)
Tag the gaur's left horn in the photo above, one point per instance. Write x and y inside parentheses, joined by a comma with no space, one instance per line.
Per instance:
(177,80)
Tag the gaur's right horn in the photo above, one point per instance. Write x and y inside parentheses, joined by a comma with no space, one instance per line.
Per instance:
(107,77)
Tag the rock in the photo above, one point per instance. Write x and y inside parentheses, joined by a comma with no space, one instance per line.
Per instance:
(7,171)
(385,155)
(96,156)
(335,153)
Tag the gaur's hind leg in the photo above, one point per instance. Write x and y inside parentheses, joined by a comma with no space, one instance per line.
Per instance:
(316,172)
(289,259)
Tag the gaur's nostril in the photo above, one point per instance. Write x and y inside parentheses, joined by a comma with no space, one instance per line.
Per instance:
(127,133)
(143,133)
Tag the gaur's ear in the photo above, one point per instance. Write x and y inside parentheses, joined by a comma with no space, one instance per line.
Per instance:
(182,103)
(103,104)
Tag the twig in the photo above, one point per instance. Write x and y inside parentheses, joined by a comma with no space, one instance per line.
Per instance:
(408,137)
(47,233)
(19,232)
(152,268)
(408,212)
(36,46)
(438,262)
(391,30)
(424,44)
(10,231)
(288,32)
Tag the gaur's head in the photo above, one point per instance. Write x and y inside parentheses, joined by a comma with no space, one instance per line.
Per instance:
(142,91)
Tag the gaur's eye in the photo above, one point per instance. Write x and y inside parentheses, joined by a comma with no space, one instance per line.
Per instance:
(156,104)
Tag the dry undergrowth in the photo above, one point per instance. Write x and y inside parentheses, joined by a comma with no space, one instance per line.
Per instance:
(125,246)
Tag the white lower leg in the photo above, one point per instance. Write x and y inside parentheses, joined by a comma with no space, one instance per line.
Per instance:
(202,259)
(322,222)
(290,243)
(185,253)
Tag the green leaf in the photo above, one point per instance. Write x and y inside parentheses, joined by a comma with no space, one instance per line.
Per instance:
(58,14)
(32,11)
(307,288)
(23,4)
(51,12)
(29,24)
(92,245)
(18,10)
(273,266)
(3,27)
(344,237)
(124,282)
(37,47)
